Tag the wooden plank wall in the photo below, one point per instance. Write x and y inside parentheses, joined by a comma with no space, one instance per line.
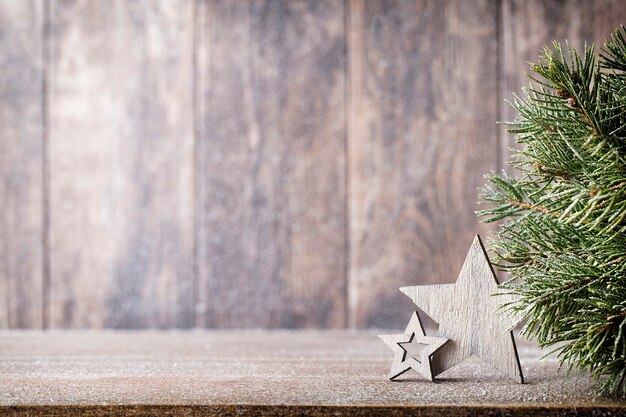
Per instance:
(262,163)
(22,122)
(422,134)
(271,176)
(121,139)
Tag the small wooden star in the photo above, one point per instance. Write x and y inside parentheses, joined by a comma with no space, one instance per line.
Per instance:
(414,333)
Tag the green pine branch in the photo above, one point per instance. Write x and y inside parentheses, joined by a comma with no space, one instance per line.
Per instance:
(563,232)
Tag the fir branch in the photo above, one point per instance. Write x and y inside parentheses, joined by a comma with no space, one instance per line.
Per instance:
(528,206)
(563,235)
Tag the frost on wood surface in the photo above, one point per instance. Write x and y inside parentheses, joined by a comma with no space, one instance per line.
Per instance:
(255,367)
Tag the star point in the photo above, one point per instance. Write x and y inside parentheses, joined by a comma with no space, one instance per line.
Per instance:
(402,362)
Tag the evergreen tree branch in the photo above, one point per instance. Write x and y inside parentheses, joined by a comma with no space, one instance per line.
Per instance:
(563,231)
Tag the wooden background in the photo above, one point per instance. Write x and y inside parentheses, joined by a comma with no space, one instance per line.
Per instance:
(265,163)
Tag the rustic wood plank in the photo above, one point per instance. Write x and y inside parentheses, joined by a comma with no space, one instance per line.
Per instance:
(312,372)
(422,133)
(21,162)
(121,149)
(272,181)
(528,26)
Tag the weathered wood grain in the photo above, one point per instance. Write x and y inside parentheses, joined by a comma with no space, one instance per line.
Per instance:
(421,135)
(529,25)
(469,315)
(121,161)
(21,162)
(266,373)
(272,183)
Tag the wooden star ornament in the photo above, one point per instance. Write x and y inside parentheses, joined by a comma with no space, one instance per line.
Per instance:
(468,314)
(402,362)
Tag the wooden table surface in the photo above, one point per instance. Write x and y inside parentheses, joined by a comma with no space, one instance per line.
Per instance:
(264,373)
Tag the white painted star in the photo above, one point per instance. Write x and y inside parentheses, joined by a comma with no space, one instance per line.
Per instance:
(402,362)
(468,314)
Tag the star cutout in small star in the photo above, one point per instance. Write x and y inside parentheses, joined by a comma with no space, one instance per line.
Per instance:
(469,314)
(402,362)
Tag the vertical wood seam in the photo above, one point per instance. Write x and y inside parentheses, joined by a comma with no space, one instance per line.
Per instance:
(45,118)
(196,162)
(351,44)
(499,86)
(346,154)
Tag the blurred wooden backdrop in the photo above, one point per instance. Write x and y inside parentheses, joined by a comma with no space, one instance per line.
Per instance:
(265,163)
